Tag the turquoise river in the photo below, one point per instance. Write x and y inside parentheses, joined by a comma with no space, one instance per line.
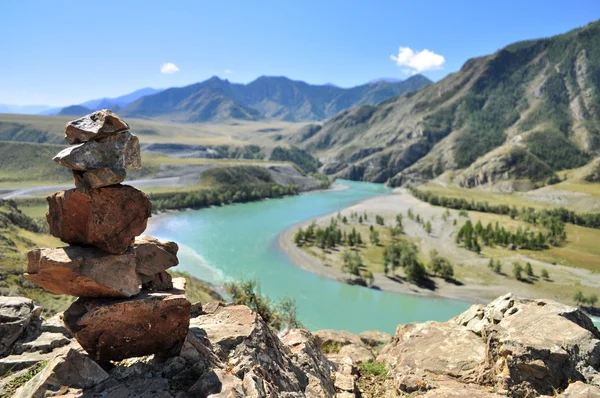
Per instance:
(241,242)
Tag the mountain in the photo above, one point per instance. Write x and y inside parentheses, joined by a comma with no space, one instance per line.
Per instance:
(524,112)
(102,103)
(276,98)
(75,110)
(121,101)
(23,109)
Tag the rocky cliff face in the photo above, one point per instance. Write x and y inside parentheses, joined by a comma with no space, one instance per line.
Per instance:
(512,347)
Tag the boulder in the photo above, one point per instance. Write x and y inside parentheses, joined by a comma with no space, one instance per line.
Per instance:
(375,338)
(89,272)
(339,344)
(93,126)
(108,218)
(114,329)
(71,368)
(44,343)
(118,151)
(98,178)
(308,356)
(16,313)
(434,348)
(340,337)
(515,346)
(250,350)
(580,390)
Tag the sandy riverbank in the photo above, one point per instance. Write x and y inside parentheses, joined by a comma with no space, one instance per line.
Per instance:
(478,283)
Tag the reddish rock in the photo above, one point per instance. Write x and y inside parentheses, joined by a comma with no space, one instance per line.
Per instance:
(149,323)
(98,178)
(109,218)
(86,271)
(83,272)
(93,126)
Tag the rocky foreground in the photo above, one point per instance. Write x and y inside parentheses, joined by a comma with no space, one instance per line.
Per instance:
(512,347)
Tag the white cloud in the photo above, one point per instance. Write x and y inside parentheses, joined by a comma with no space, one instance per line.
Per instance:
(417,62)
(168,68)
(228,71)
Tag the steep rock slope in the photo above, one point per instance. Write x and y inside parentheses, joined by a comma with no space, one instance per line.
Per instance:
(277,98)
(538,96)
(512,347)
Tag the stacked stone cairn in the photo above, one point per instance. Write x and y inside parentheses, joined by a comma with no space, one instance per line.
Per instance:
(128,305)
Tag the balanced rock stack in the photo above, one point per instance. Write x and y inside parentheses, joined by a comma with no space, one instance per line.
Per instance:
(128,305)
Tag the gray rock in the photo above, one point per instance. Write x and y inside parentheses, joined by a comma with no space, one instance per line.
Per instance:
(15,315)
(94,126)
(13,363)
(374,338)
(236,333)
(118,151)
(98,178)
(71,368)
(45,343)
(308,356)
(580,390)
(521,347)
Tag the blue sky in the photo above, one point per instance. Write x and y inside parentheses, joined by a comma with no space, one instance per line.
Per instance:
(64,52)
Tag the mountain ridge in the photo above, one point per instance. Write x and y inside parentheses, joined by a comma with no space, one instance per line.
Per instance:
(267,97)
(540,96)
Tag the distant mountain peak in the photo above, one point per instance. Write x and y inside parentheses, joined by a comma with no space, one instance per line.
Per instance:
(270,97)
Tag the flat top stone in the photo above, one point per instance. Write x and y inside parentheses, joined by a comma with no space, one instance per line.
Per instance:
(93,126)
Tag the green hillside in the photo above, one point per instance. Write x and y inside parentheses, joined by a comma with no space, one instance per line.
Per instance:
(539,96)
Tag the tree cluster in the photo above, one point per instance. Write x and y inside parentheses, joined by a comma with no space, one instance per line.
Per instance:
(542,217)
(277,315)
(217,197)
(580,299)
(403,254)
(328,237)
(440,266)
(471,236)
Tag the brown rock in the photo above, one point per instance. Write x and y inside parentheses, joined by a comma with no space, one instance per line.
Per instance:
(119,151)
(154,256)
(98,178)
(149,323)
(160,282)
(108,218)
(93,126)
(85,271)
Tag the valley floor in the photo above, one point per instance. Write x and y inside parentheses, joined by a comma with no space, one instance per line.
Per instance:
(476,281)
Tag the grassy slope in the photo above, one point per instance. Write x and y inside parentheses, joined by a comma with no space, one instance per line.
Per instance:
(50,129)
